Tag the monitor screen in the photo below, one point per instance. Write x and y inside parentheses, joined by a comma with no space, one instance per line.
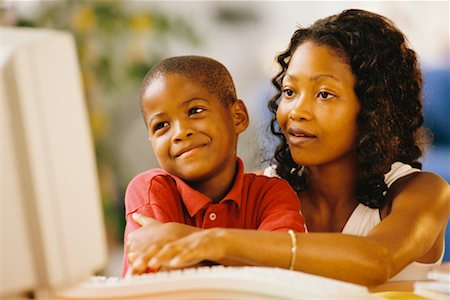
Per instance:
(51,224)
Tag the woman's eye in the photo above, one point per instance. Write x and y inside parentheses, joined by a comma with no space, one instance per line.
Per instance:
(326,95)
(160,125)
(288,92)
(195,110)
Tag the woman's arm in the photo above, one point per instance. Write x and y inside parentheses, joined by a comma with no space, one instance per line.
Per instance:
(410,232)
(414,229)
(326,254)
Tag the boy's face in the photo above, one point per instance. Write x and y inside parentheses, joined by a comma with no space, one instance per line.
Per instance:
(192,133)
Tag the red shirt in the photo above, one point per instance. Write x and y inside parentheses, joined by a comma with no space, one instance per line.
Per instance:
(253,202)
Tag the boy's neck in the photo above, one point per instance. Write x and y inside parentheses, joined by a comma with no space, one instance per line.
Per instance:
(218,186)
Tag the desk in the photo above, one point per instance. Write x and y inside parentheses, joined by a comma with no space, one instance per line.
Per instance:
(402,290)
(394,286)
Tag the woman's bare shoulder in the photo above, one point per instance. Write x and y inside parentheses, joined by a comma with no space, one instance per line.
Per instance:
(422,189)
(427,181)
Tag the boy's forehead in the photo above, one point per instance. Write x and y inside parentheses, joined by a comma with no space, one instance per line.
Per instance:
(176,91)
(172,80)
(177,86)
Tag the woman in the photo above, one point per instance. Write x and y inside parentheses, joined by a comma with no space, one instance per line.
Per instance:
(348,114)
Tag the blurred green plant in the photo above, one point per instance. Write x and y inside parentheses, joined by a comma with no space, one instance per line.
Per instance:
(117,43)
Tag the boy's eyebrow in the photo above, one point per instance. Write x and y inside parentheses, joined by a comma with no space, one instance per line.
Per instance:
(184,103)
(154,116)
(293,77)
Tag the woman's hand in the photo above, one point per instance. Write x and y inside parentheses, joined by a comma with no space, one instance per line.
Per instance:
(144,243)
(208,244)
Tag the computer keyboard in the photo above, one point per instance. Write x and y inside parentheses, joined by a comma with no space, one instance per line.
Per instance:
(219,282)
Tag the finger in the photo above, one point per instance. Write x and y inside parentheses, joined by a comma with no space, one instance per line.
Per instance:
(164,255)
(138,266)
(189,256)
(183,260)
(138,260)
(130,272)
(132,256)
(143,220)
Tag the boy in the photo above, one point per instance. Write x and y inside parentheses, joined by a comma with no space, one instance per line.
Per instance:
(193,116)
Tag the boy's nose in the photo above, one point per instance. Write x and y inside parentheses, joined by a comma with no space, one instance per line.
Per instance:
(182,131)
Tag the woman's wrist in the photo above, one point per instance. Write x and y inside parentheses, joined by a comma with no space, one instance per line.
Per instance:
(221,238)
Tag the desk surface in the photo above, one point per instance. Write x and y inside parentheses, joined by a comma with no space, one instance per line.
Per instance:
(404,290)
(397,286)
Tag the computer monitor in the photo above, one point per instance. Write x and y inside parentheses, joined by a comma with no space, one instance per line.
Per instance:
(52,227)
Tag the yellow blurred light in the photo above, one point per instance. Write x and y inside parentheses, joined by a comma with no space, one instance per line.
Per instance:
(83,19)
(141,22)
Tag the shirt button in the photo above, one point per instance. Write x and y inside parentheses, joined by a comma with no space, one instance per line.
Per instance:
(212,216)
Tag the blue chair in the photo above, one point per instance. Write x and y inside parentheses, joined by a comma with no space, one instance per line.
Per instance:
(447,243)
(437,110)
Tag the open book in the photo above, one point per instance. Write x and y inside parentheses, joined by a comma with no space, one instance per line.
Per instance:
(439,285)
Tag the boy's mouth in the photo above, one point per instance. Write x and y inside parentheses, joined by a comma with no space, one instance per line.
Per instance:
(187,150)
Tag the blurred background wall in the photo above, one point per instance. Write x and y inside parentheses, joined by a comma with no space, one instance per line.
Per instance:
(118,41)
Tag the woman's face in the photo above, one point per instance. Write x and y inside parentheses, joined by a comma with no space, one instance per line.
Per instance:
(318,107)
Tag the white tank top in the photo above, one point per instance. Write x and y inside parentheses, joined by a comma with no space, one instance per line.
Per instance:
(364,219)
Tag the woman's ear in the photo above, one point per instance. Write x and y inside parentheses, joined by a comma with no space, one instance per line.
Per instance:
(240,116)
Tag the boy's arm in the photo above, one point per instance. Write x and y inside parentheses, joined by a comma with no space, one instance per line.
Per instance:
(136,200)
(158,199)
(142,196)
(280,208)
(150,239)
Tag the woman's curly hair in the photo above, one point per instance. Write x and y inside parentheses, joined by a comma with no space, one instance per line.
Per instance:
(388,86)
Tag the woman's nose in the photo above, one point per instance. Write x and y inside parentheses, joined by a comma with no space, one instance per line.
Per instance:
(301,110)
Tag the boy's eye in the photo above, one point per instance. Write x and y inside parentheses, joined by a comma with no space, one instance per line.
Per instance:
(160,125)
(195,110)
(325,95)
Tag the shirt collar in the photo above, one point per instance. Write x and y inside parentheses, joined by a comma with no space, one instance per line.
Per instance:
(196,201)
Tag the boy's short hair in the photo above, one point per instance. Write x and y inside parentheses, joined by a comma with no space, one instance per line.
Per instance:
(208,72)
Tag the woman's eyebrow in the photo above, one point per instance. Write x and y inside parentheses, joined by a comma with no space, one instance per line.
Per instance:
(290,77)
(312,78)
(324,75)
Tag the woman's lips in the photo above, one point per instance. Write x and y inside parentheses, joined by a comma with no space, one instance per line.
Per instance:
(297,136)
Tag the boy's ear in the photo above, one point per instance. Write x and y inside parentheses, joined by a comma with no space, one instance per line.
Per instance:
(240,116)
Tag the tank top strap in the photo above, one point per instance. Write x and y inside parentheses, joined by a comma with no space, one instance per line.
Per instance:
(362,220)
(398,170)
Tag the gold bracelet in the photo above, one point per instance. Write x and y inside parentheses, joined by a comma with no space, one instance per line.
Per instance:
(293,249)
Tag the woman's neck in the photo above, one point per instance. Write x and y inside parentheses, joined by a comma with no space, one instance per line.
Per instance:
(333,183)
(329,199)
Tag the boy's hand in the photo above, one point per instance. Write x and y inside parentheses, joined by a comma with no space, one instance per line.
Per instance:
(145,242)
(143,220)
